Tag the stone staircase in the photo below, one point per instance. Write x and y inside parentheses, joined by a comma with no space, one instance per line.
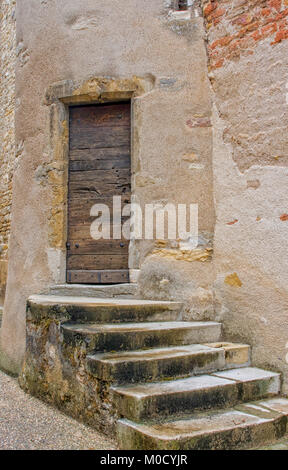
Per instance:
(154,380)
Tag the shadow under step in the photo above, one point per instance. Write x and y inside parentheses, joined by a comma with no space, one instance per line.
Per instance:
(219,390)
(102,310)
(135,336)
(156,364)
(244,426)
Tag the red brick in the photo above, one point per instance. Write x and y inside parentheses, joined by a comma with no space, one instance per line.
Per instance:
(217,13)
(218,64)
(233,222)
(277,4)
(209,8)
(266,12)
(283,34)
(248,22)
(268,30)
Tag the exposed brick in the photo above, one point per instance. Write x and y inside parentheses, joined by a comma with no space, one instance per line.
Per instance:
(208,9)
(277,4)
(246,20)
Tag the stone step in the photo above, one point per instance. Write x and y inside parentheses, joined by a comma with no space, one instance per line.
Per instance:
(135,336)
(154,364)
(143,401)
(120,291)
(236,355)
(91,309)
(244,426)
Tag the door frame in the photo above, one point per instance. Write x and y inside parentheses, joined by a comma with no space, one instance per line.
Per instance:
(59,97)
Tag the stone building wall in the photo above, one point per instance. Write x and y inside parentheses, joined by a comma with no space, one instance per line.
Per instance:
(7,112)
(221,143)
(248,55)
(67,50)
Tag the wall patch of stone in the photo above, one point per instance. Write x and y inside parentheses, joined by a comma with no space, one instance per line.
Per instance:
(7,147)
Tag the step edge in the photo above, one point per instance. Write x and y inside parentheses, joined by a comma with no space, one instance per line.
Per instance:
(269,374)
(97,357)
(141,325)
(121,390)
(258,421)
(48,300)
(222,412)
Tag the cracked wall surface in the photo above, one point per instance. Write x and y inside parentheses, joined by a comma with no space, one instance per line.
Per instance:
(7,144)
(248,49)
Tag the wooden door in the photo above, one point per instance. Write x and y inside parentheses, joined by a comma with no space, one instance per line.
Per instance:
(99,168)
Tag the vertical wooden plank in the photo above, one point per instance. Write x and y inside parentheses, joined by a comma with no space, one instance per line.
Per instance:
(99,168)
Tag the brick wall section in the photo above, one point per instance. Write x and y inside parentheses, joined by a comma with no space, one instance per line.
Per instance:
(235,27)
(247,50)
(7,146)
(248,57)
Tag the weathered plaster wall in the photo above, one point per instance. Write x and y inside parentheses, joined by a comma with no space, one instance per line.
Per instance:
(7,145)
(60,40)
(248,51)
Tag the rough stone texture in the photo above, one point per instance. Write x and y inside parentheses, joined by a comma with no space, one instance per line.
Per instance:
(70,362)
(153,401)
(135,336)
(157,364)
(68,53)
(282,444)
(61,42)
(244,426)
(87,309)
(28,424)
(236,355)
(55,371)
(248,50)
(55,367)
(7,144)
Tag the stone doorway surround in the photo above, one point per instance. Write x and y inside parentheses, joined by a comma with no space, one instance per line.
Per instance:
(59,97)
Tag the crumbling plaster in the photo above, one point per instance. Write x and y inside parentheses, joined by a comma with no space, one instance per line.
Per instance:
(250,118)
